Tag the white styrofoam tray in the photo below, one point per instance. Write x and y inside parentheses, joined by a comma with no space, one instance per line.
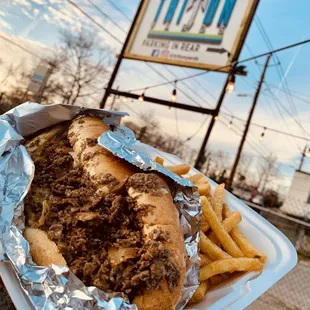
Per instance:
(237,293)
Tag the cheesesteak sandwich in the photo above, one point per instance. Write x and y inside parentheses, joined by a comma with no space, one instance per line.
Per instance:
(113,226)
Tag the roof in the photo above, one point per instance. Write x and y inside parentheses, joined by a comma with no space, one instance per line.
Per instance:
(304,172)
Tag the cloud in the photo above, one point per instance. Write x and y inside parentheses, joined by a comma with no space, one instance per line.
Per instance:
(25,12)
(22,3)
(5,25)
(40,2)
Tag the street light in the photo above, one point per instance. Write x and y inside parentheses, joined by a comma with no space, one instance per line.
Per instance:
(174,93)
(231,84)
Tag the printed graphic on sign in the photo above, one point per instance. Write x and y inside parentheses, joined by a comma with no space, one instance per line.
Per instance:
(38,79)
(195,33)
(191,13)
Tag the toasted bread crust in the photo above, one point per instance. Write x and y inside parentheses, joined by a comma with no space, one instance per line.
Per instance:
(96,160)
(164,216)
(43,250)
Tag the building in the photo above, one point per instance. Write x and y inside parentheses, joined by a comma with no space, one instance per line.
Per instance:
(297,202)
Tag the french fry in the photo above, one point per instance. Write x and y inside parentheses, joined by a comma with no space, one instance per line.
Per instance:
(212,250)
(195,178)
(226,241)
(226,211)
(204,222)
(204,260)
(216,280)
(159,160)
(202,180)
(180,169)
(204,189)
(200,293)
(217,200)
(204,225)
(246,246)
(230,265)
(229,224)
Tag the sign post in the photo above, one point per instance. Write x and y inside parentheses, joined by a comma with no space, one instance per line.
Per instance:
(190,33)
(201,34)
(120,58)
(38,81)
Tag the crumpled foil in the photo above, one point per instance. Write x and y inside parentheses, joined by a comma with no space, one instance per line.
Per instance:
(55,287)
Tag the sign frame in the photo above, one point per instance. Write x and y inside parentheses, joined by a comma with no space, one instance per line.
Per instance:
(234,54)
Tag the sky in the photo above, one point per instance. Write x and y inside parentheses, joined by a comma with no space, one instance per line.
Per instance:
(35,24)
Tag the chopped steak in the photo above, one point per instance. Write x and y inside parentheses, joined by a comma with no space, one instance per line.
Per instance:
(101,239)
(159,235)
(145,183)
(91,141)
(108,179)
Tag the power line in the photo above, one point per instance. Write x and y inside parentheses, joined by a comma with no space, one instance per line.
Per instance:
(269,45)
(254,147)
(190,76)
(268,128)
(279,69)
(178,88)
(184,78)
(207,92)
(198,130)
(276,104)
(21,47)
(106,16)
(190,88)
(228,66)
(119,41)
(248,142)
(118,9)
(288,112)
(95,22)
(295,96)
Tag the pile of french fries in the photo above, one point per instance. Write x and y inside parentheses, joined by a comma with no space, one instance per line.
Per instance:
(224,249)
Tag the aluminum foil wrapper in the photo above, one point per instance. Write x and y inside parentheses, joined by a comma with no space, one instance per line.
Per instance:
(55,287)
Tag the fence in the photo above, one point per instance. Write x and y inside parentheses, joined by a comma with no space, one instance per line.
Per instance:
(296,229)
(292,291)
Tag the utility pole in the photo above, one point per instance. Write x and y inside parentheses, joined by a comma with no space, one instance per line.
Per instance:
(302,158)
(120,58)
(234,168)
(200,156)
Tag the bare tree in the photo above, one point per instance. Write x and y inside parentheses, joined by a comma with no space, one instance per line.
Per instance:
(8,74)
(16,80)
(267,172)
(148,131)
(77,68)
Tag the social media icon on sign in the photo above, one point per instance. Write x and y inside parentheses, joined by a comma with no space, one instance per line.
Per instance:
(155,53)
(165,54)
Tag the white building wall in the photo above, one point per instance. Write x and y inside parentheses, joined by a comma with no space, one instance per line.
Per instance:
(297,201)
